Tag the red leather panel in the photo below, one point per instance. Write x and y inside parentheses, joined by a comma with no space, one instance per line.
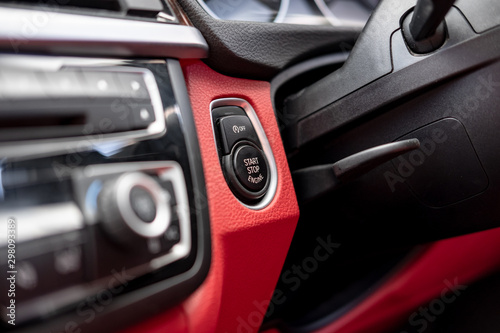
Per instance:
(453,262)
(172,321)
(248,247)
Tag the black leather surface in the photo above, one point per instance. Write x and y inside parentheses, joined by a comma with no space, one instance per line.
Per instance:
(261,50)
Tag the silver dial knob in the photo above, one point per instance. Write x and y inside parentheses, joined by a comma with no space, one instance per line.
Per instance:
(134,205)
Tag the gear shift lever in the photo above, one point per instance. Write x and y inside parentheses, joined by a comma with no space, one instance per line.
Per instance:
(427,16)
(424,28)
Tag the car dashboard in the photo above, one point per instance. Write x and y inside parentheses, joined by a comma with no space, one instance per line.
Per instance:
(247,166)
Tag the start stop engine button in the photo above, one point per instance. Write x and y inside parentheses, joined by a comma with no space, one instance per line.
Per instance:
(250,167)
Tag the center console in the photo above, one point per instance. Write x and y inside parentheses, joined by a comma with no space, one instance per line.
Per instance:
(103,210)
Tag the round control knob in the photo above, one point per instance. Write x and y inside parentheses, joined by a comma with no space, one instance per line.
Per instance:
(143,204)
(134,206)
(247,171)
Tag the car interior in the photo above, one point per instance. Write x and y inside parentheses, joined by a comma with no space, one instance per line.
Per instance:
(274,166)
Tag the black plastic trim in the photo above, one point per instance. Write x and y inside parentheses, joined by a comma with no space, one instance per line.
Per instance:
(260,50)
(426,73)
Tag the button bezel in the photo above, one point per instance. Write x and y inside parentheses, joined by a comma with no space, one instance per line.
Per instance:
(230,139)
(272,186)
(159,225)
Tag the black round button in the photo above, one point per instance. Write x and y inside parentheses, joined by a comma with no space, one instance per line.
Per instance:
(143,204)
(250,167)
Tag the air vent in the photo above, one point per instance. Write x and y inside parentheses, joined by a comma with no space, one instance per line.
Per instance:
(157,10)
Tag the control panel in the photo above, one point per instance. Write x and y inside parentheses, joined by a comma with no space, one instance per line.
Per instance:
(138,213)
(244,153)
(98,228)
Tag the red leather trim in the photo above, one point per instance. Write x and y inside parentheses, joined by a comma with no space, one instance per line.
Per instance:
(172,321)
(248,246)
(456,261)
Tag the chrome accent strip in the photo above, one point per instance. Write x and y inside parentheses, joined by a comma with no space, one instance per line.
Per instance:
(54,63)
(280,16)
(41,221)
(266,147)
(161,222)
(181,249)
(333,19)
(63,33)
(323,8)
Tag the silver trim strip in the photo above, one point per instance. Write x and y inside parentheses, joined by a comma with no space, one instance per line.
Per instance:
(41,221)
(181,249)
(71,34)
(323,8)
(333,19)
(266,147)
(280,16)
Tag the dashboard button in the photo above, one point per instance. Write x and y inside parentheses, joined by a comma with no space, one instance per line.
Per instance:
(144,8)
(234,129)
(63,84)
(47,273)
(101,84)
(133,86)
(143,204)
(250,167)
(142,116)
(134,206)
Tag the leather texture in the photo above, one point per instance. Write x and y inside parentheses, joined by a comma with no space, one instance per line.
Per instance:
(260,50)
(455,261)
(248,247)
(172,321)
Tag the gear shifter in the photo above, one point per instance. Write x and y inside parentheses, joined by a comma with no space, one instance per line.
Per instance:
(386,65)
(428,15)
(424,29)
